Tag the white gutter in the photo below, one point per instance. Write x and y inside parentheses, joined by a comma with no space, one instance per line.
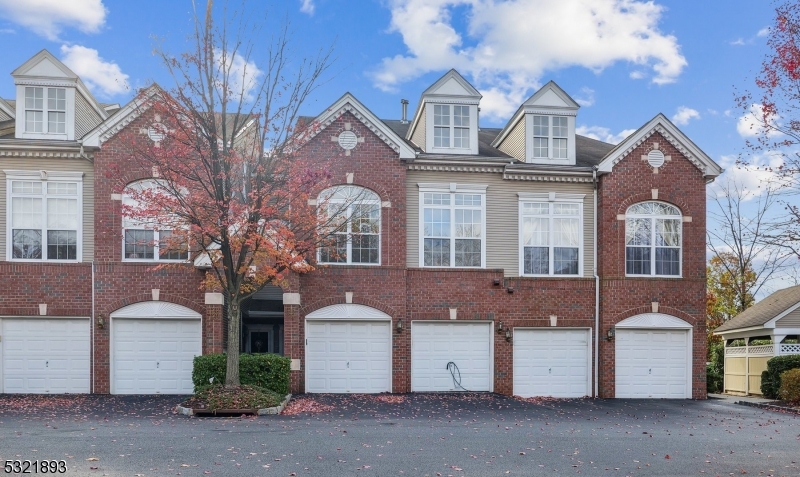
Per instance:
(91,326)
(596,292)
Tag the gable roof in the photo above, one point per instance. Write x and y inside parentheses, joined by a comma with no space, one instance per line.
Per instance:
(45,66)
(349,103)
(671,133)
(546,99)
(124,116)
(764,311)
(450,86)
(7,108)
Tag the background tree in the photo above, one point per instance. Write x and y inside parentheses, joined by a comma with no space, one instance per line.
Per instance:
(228,180)
(775,111)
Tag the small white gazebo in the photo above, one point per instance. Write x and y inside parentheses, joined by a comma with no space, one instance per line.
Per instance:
(775,318)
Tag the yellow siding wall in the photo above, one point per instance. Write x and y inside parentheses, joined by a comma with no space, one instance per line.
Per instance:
(52,164)
(502,215)
(514,143)
(418,137)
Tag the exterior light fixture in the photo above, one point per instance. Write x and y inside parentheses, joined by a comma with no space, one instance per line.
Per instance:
(399,326)
(611,333)
(496,282)
(508,335)
(499,326)
(510,289)
(101,323)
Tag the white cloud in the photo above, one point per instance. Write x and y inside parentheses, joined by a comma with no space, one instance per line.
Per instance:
(603,134)
(102,77)
(48,17)
(684,115)
(752,177)
(586,97)
(763,32)
(751,124)
(738,42)
(638,75)
(243,76)
(498,49)
(307,6)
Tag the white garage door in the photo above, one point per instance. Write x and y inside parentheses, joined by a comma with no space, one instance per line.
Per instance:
(45,355)
(551,362)
(348,356)
(652,364)
(154,356)
(468,345)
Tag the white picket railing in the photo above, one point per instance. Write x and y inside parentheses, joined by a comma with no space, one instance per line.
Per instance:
(790,348)
(736,351)
(762,350)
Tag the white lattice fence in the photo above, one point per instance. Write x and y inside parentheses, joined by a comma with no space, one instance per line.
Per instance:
(736,351)
(763,350)
(790,348)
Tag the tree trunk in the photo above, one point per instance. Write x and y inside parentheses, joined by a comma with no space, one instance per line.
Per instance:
(234,330)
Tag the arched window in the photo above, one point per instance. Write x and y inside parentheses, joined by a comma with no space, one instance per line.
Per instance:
(352,217)
(146,239)
(653,240)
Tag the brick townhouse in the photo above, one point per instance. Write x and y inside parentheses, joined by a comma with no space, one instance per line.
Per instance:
(526,260)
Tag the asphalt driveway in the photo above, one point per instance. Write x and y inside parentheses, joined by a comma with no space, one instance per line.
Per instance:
(414,435)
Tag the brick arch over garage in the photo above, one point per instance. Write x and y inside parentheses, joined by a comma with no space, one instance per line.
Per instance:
(665,310)
(341,301)
(165,297)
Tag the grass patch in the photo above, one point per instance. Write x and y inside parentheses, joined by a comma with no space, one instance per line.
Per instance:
(217,397)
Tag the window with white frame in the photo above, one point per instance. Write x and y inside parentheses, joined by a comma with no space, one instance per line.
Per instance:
(45,116)
(451,131)
(653,240)
(44,216)
(550,137)
(146,240)
(351,217)
(452,226)
(551,236)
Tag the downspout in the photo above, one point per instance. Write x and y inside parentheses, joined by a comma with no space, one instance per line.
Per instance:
(91,325)
(596,291)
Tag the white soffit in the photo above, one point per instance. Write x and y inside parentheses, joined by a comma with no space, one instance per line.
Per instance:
(348,311)
(135,107)
(654,320)
(156,309)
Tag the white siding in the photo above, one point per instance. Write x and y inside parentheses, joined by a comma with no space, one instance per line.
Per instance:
(791,320)
(86,118)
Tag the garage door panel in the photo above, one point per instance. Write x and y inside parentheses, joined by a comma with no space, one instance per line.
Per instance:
(434,345)
(652,363)
(551,362)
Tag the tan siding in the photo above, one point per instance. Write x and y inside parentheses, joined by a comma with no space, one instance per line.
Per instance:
(54,164)
(791,320)
(514,143)
(418,137)
(86,118)
(502,215)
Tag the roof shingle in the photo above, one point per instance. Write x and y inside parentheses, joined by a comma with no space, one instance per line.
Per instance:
(763,311)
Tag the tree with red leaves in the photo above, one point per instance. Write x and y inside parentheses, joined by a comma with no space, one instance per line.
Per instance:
(775,114)
(226,179)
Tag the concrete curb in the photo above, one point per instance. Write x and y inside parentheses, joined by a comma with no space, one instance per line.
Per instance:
(187,411)
(769,407)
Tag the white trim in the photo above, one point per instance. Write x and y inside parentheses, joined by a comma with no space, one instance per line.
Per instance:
(457,322)
(156,310)
(589,354)
(431,126)
(673,135)
(570,137)
(364,200)
(538,197)
(106,129)
(773,322)
(7,109)
(44,177)
(451,188)
(348,312)
(654,320)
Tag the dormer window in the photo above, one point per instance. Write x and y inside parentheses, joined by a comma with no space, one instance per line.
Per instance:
(444,128)
(544,136)
(54,109)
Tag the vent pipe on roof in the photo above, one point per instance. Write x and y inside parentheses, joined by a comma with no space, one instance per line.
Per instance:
(404,118)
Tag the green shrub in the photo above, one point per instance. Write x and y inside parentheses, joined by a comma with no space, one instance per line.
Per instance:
(715,368)
(268,371)
(790,386)
(760,342)
(216,397)
(771,378)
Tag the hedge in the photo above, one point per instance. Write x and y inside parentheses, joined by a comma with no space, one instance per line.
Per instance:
(790,386)
(715,368)
(771,378)
(269,371)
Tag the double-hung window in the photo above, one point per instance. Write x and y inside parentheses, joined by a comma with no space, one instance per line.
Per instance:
(453,220)
(147,240)
(451,126)
(45,115)
(351,218)
(550,137)
(45,218)
(551,236)
(653,240)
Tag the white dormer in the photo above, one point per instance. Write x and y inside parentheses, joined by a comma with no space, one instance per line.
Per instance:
(47,94)
(542,130)
(446,121)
